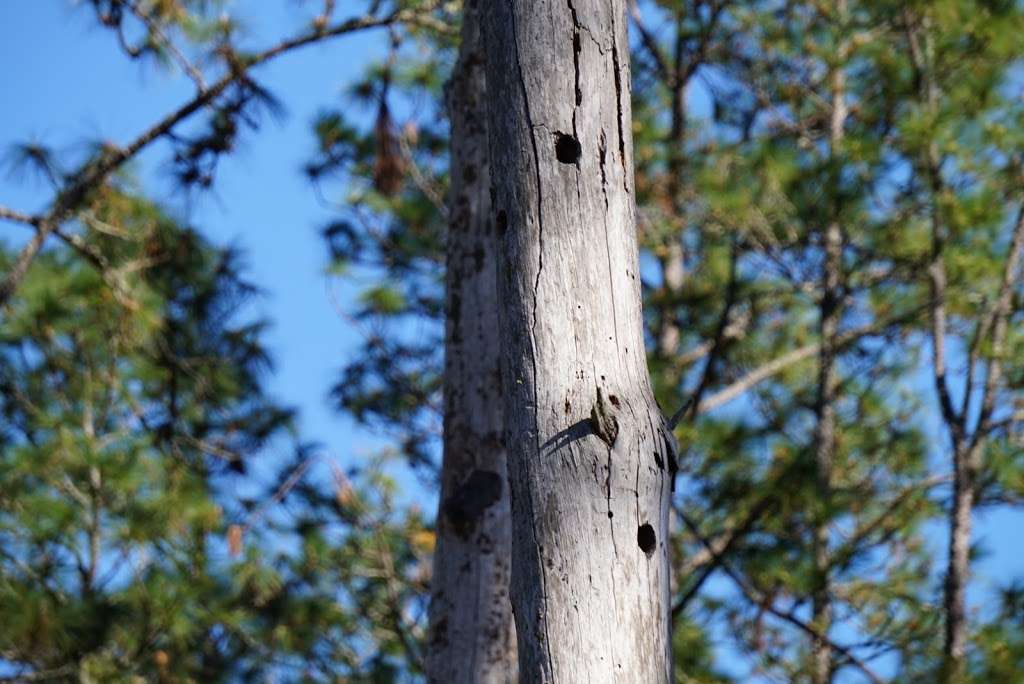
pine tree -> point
(129, 410)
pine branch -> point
(715, 550)
(757, 598)
(191, 70)
(97, 172)
(692, 407)
(846, 551)
(650, 44)
(780, 363)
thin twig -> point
(765, 603)
(780, 363)
(190, 69)
(96, 173)
(1000, 314)
(18, 217)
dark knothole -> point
(502, 223)
(471, 499)
(567, 148)
(646, 538)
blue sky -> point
(73, 85)
(66, 81)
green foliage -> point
(735, 190)
(389, 237)
(133, 411)
(127, 404)
(131, 375)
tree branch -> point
(650, 44)
(1000, 314)
(18, 217)
(96, 172)
(862, 532)
(692, 406)
(765, 603)
(779, 364)
(153, 27)
(716, 549)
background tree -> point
(129, 413)
(133, 370)
(472, 631)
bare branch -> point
(715, 549)
(1000, 314)
(17, 273)
(18, 217)
(432, 193)
(779, 364)
(936, 268)
(650, 44)
(870, 527)
(765, 603)
(692, 406)
(96, 173)
(153, 27)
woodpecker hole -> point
(646, 539)
(567, 148)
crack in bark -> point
(536, 287)
(618, 104)
(576, 48)
(608, 502)
(603, 151)
(608, 259)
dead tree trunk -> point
(589, 451)
(472, 635)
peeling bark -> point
(588, 446)
(472, 635)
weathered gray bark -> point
(472, 634)
(589, 452)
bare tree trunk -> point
(962, 510)
(589, 451)
(673, 260)
(958, 569)
(825, 437)
(472, 634)
(673, 275)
